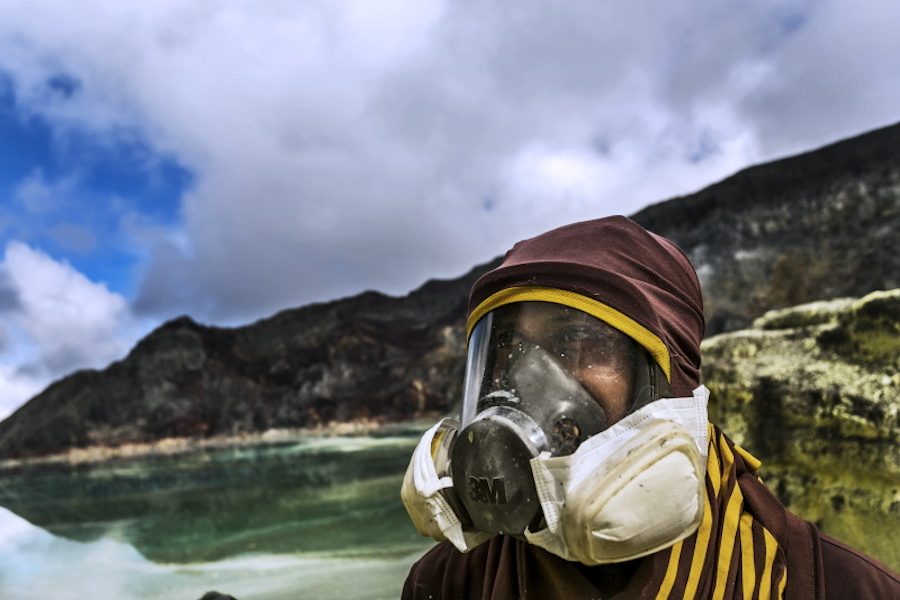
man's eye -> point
(571, 335)
(508, 339)
(581, 342)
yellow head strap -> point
(595, 308)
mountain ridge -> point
(814, 226)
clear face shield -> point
(540, 377)
(598, 357)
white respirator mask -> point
(535, 457)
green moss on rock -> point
(804, 315)
(814, 392)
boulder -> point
(814, 392)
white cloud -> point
(339, 146)
(58, 321)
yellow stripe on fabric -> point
(713, 464)
(765, 582)
(748, 565)
(727, 455)
(752, 463)
(643, 336)
(700, 550)
(782, 583)
(731, 518)
(733, 531)
(671, 572)
(701, 547)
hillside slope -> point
(812, 227)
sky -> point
(227, 159)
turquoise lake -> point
(314, 519)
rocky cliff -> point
(366, 358)
(822, 225)
(814, 392)
(817, 226)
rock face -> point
(366, 358)
(817, 226)
(814, 392)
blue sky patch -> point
(68, 192)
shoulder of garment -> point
(849, 573)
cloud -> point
(337, 147)
(37, 196)
(833, 77)
(346, 181)
(57, 321)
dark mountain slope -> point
(820, 225)
(816, 226)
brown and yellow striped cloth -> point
(747, 547)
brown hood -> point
(620, 264)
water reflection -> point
(35, 565)
(266, 521)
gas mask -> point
(566, 440)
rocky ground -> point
(174, 446)
(814, 392)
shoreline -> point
(102, 454)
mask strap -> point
(650, 383)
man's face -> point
(600, 357)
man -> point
(583, 465)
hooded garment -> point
(748, 545)
(622, 267)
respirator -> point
(567, 439)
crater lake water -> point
(318, 518)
